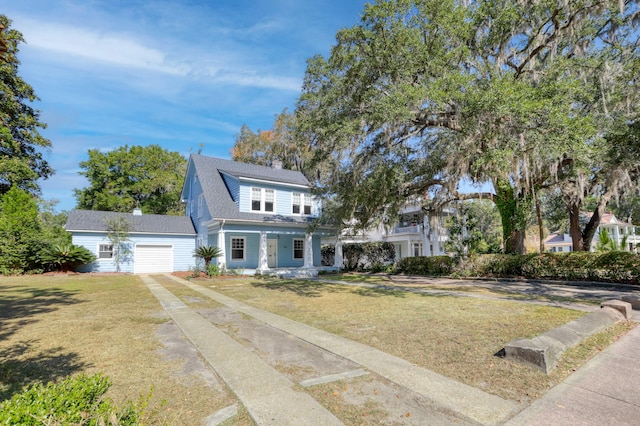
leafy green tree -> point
(424, 93)
(118, 229)
(21, 158)
(148, 177)
(20, 238)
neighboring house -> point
(556, 242)
(157, 243)
(415, 234)
(616, 228)
(258, 216)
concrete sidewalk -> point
(604, 392)
(447, 394)
(269, 397)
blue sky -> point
(176, 73)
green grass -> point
(454, 336)
(53, 326)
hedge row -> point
(434, 265)
(613, 266)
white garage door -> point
(149, 259)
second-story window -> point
(300, 203)
(295, 203)
(307, 204)
(256, 199)
(262, 199)
(269, 196)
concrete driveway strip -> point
(451, 395)
(269, 397)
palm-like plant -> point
(207, 253)
(67, 256)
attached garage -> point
(154, 243)
(149, 259)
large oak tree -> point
(424, 93)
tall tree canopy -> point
(423, 93)
(148, 177)
(279, 144)
(21, 145)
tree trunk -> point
(582, 238)
(574, 225)
(540, 225)
(514, 211)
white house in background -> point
(616, 228)
(415, 233)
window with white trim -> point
(298, 248)
(256, 199)
(269, 200)
(307, 204)
(417, 249)
(105, 251)
(237, 248)
(300, 203)
(295, 203)
(262, 200)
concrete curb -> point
(544, 351)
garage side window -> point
(105, 251)
(237, 248)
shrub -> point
(76, 400)
(421, 265)
(214, 270)
(67, 257)
(368, 256)
(207, 253)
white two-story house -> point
(416, 233)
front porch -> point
(292, 272)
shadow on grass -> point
(304, 288)
(20, 306)
(312, 288)
(21, 366)
(380, 291)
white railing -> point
(413, 229)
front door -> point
(272, 253)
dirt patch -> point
(176, 347)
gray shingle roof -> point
(218, 199)
(95, 220)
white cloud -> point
(91, 46)
(96, 46)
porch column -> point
(308, 251)
(222, 245)
(338, 261)
(263, 262)
(435, 239)
(409, 248)
(426, 249)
